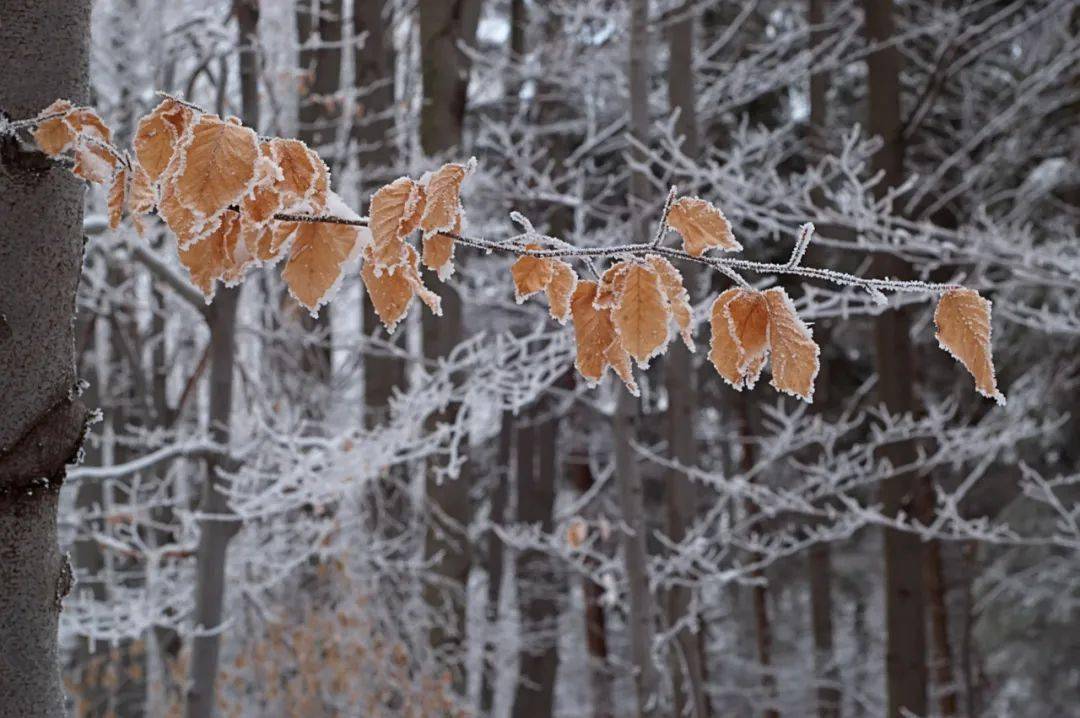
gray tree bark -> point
(680, 492)
(218, 526)
(905, 616)
(628, 479)
(45, 50)
(445, 79)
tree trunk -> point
(628, 479)
(936, 591)
(680, 492)
(217, 525)
(45, 50)
(538, 576)
(500, 495)
(905, 619)
(445, 78)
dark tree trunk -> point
(905, 616)
(500, 495)
(445, 78)
(45, 50)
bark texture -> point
(905, 616)
(44, 47)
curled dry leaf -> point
(740, 325)
(671, 282)
(158, 133)
(94, 162)
(701, 226)
(598, 346)
(316, 261)
(577, 532)
(182, 221)
(264, 198)
(54, 135)
(793, 352)
(641, 313)
(302, 177)
(531, 274)
(116, 197)
(443, 210)
(211, 258)
(141, 195)
(214, 166)
(559, 290)
(391, 294)
(963, 326)
(611, 285)
(439, 254)
(395, 212)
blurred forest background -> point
(281, 515)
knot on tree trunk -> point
(37, 461)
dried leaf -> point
(184, 224)
(394, 212)
(411, 270)
(439, 254)
(443, 211)
(117, 196)
(739, 321)
(391, 294)
(54, 135)
(318, 255)
(94, 162)
(210, 258)
(641, 314)
(593, 331)
(619, 360)
(559, 290)
(264, 198)
(157, 135)
(531, 274)
(963, 326)
(671, 283)
(216, 165)
(611, 285)
(577, 532)
(793, 352)
(86, 123)
(142, 198)
(701, 226)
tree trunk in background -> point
(680, 492)
(936, 591)
(905, 617)
(819, 556)
(538, 577)
(500, 495)
(45, 51)
(445, 77)
(628, 479)
(218, 525)
(319, 116)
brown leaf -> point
(739, 321)
(963, 326)
(619, 360)
(210, 258)
(793, 352)
(265, 197)
(117, 197)
(157, 135)
(671, 283)
(184, 224)
(319, 252)
(391, 294)
(593, 332)
(142, 197)
(94, 162)
(611, 285)
(641, 314)
(531, 274)
(443, 211)
(217, 162)
(701, 226)
(394, 212)
(439, 252)
(559, 290)
(54, 135)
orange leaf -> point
(319, 252)
(142, 197)
(671, 283)
(793, 353)
(117, 196)
(593, 332)
(443, 211)
(395, 209)
(210, 258)
(531, 274)
(740, 321)
(157, 135)
(559, 290)
(391, 294)
(963, 326)
(439, 254)
(265, 198)
(304, 177)
(619, 360)
(182, 221)
(216, 165)
(701, 226)
(93, 161)
(641, 314)
(54, 135)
